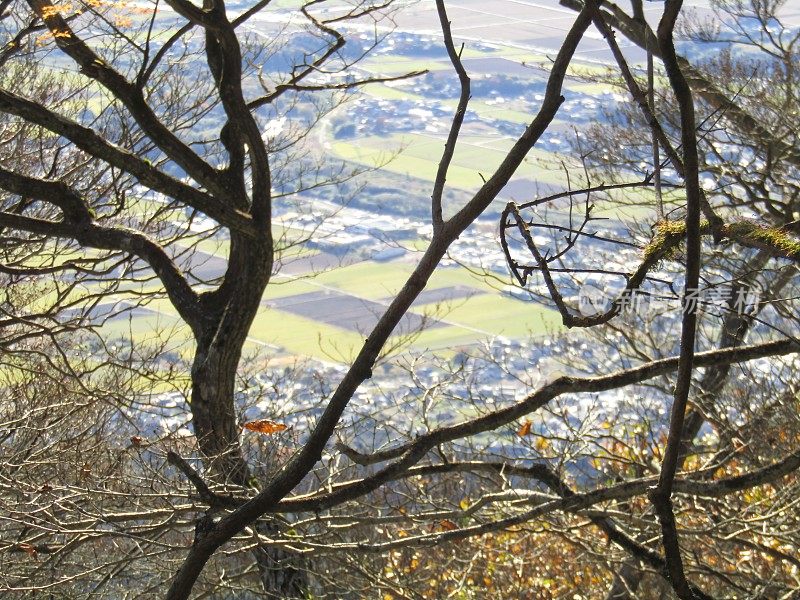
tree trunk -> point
(226, 316)
(213, 412)
(283, 573)
(229, 312)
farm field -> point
(320, 306)
(418, 155)
(327, 315)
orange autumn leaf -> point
(264, 426)
(447, 525)
(524, 429)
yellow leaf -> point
(264, 426)
(524, 429)
(464, 504)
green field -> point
(279, 333)
(500, 315)
(419, 157)
(283, 287)
(401, 65)
(369, 280)
(296, 335)
(464, 321)
(467, 320)
(162, 330)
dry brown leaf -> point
(264, 426)
(524, 429)
(447, 525)
(27, 549)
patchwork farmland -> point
(326, 294)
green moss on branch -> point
(670, 234)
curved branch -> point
(297, 468)
(297, 78)
(775, 242)
(661, 495)
(241, 131)
(95, 145)
(702, 85)
(184, 298)
(458, 118)
(74, 208)
(693, 484)
(94, 67)
(575, 385)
